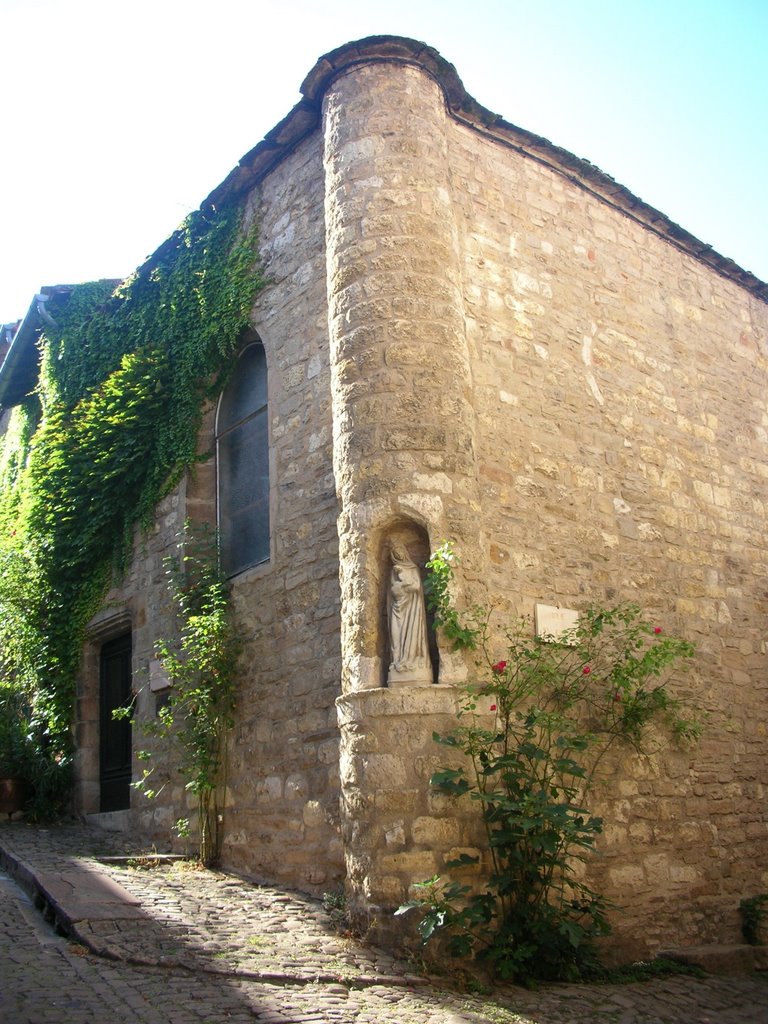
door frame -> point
(108, 625)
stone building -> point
(469, 334)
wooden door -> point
(115, 739)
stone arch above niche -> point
(410, 538)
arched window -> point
(242, 454)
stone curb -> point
(79, 894)
(351, 981)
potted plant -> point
(15, 750)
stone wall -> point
(284, 773)
(527, 368)
(282, 820)
(620, 394)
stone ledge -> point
(382, 702)
(717, 959)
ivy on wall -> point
(110, 431)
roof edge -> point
(305, 117)
(19, 369)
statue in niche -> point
(409, 648)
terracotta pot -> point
(13, 794)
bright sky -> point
(120, 116)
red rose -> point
(499, 667)
(586, 670)
(492, 707)
(657, 630)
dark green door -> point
(115, 735)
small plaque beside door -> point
(158, 677)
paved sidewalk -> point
(188, 945)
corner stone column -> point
(404, 449)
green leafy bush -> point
(16, 746)
(24, 756)
(753, 918)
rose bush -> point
(558, 706)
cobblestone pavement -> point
(211, 947)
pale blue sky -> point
(118, 118)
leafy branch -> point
(200, 661)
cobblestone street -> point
(200, 946)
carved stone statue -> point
(409, 649)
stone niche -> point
(411, 538)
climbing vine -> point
(110, 430)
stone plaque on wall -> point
(158, 677)
(551, 621)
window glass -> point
(242, 448)
(247, 390)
